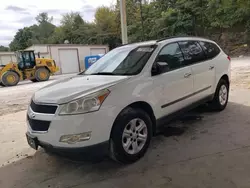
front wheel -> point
(42, 74)
(220, 99)
(131, 135)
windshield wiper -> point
(103, 73)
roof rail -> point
(172, 37)
(136, 43)
(179, 36)
(123, 45)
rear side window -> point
(192, 52)
(210, 49)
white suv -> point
(117, 104)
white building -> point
(69, 57)
(6, 57)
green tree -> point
(43, 18)
(71, 23)
(107, 26)
(22, 39)
(226, 21)
(35, 34)
(4, 49)
(43, 30)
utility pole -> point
(124, 21)
(142, 22)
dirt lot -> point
(15, 99)
(211, 152)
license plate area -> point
(32, 141)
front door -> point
(176, 82)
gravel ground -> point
(206, 150)
(15, 99)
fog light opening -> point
(74, 138)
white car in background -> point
(117, 104)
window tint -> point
(134, 62)
(192, 52)
(26, 56)
(210, 49)
(126, 60)
(32, 57)
(172, 55)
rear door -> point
(176, 82)
(202, 68)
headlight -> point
(89, 103)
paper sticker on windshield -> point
(145, 49)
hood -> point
(68, 89)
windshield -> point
(126, 60)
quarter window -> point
(210, 49)
(172, 55)
(192, 52)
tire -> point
(1, 84)
(10, 78)
(125, 121)
(219, 103)
(42, 74)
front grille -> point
(41, 108)
(38, 125)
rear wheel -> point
(131, 135)
(41, 74)
(220, 99)
(10, 78)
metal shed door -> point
(69, 61)
(97, 51)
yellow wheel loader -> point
(28, 67)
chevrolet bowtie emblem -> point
(32, 115)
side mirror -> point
(159, 67)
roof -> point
(170, 39)
(7, 53)
(25, 50)
(180, 38)
(145, 43)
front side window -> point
(171, 54)
(210, 49)
(192, 52)
(126, 60)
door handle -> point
(211, 67)
(187, 75)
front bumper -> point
(97, 150)
(98, 123)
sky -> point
(16, 14)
